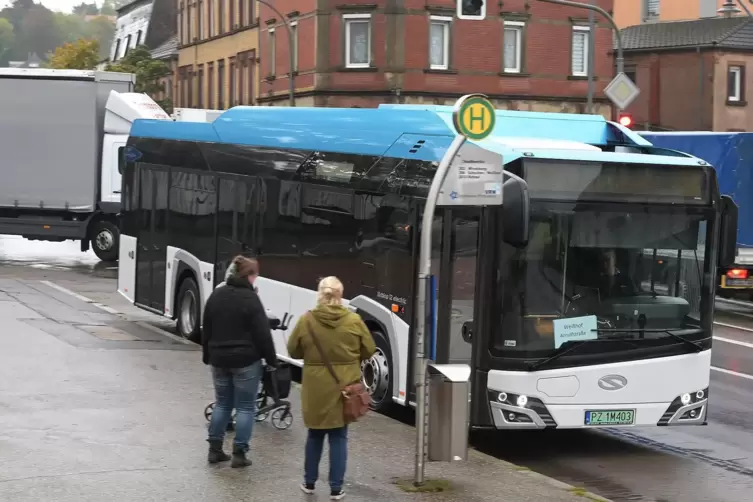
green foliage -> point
(148, 71)
(36, 29)
(7, 36)
(79, 55)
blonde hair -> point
(330, 291)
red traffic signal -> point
(625, 120)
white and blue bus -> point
(580, 322)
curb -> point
(580, 492)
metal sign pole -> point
(473, 118)
(424, 272)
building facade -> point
(633, 12)
(692, 74)
(131, 27)
(525, 55)
(218, 54)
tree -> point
(79, 55)
(148, 73)
(37, 33)
(86, 9)
(109, 6)
(7, 37)
(102, 30)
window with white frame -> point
(579, 60)
(272, 51)
(439, 42)
(357, 40)
(735, 84)
(513, 51)
(294, 29)
(651, 9)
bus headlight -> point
(685, 399)
(522, 401)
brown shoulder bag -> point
(356, 399)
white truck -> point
(62, 138)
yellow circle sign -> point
(474, 116)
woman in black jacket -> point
(235, 338)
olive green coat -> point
(346, 341)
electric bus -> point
(561, 300)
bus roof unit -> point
(421, 133)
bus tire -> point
(188, 311)
(105, 240)
(376, 372)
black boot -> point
(239, 458)
(216, 454)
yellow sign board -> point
(474, 116)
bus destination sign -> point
(474, 178)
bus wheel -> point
(104, 240)
(188, 309)
(376, 374)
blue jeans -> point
(338, 455)
(235, 388)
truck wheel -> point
(105, 239)
(188, 309)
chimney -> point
(728, 9)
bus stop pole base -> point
(424, 272)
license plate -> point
(737, 283)
(610, 417)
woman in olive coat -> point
(346, 341)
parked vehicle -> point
(63, 137)
(731, 154)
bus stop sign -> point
(474, 117)
(474, 178)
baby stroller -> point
(274, 390)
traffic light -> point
(625, 120)
(471, 9)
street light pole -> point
(596, 8)
(291, 49)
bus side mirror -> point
(516, 212)
(727, 232)
(467, 331)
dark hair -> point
(245, 267)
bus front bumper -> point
(511, 411)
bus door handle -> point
(467, 331)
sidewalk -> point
(91, 412)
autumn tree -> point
(82, 54)
(7, 37)
(148, 73)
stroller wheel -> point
(208, 411)
(282, 418)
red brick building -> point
(526, 54)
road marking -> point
(83, 298)
(734, 373)
(732, 301)
(734, 326)
(736, 342)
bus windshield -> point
(619, 274)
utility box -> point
(449, 409)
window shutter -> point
(579, 46)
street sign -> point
(622, 91)
(474, 117)
(473, 179)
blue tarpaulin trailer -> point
(731, 154)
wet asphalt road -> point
(712, 463)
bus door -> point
(152, 237)
(455, 253)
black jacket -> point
(236, 327)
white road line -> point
(83, 298)
(734, 373)
(734, 326)
(732, 301)
(736, 342)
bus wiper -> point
(671, 332)
(566, 350)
